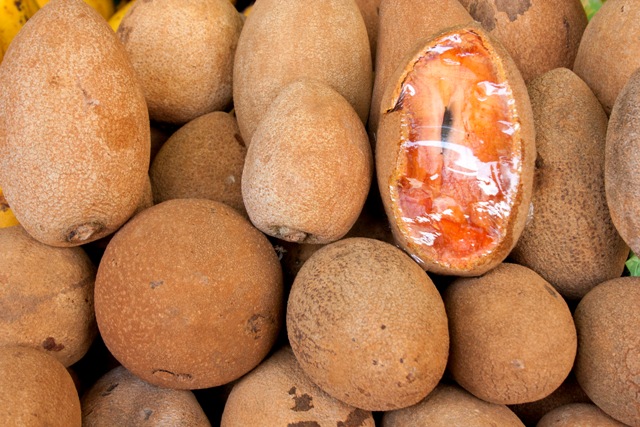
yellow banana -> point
(116, 19)
(13, 15)
(106, 8)
(7, 218)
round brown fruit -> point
(279, 393)
(189, 295)
(455, 153)
(578, 415)
(367, 325)
(121, 399)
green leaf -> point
(591, 6)
(633, 264)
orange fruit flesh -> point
(458, 168)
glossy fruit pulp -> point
(459, 164)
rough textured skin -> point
(622, 163)
(283, 42)
(512, 336)
(403, 24)
(279, 393)
(388, 149)
(367, 325)
(36, 390)
(540, 35)
(182, 51)
(74, 128)
(609, 52)
(121, 399)
(578, 415)
(570, 240)
(607, 365)
(370, 10)
(46, 296)
(451, 406)
(308, 170)
(202, 160)
(189, 295)
(569, 392)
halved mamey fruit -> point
(455, 153)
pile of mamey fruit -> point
(338, 213)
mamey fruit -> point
(121, 399)
(578, 415)
(570, 239)
(182, 51)
(512, 336)
(189, 295)
(105, 8)
(308, 169)
(370, 10)
(36, 390)
(455, 153)
(74, 129)
(279, 393)
(283, 41)
(367, 325)
(608, 323)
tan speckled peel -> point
(570, 239)
(512, 336)
(609, 51)
(46, 296)
(578, 415)
(451, 406)
(203, 159)
(308, 169)
(622, 163)
(279, 393)
(189, 295)
(36, 390)
(284, 40)
(540, 35)
(74, 128)
(182, 51)
(367, 325)
(607, 365)
(402, 25)
(121, 399)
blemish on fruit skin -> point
(513, 8)
(356, 418)
(304, 424)
(147, 414)
(109, 390)
(302, 403)
(551, 291)
(156, 283)
(50, 345)
(483, 12)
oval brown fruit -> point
(622, 163)
(74, 127)
(608, 361)
(368, 325)
(578, 415)
(540, 35)
(279, 393)
(570, 239)
(455, 153)
(284, 41)
(189, 295)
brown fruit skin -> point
(512, 336)
(569, 392)
(388, 149)
(452, 406)
(578, 415)
(182, 51)
(74, 128)
(370, 10)
(46, 296)
(570, 239)
(403, 25)
(202, 160)
(279, 393)
(367, 325)
(121, 399)
(608, 324)
(608, 52)
(622, 163)
(283, 42)
(36, 390)
(189, 295)
(308, 170)
(540, 35)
